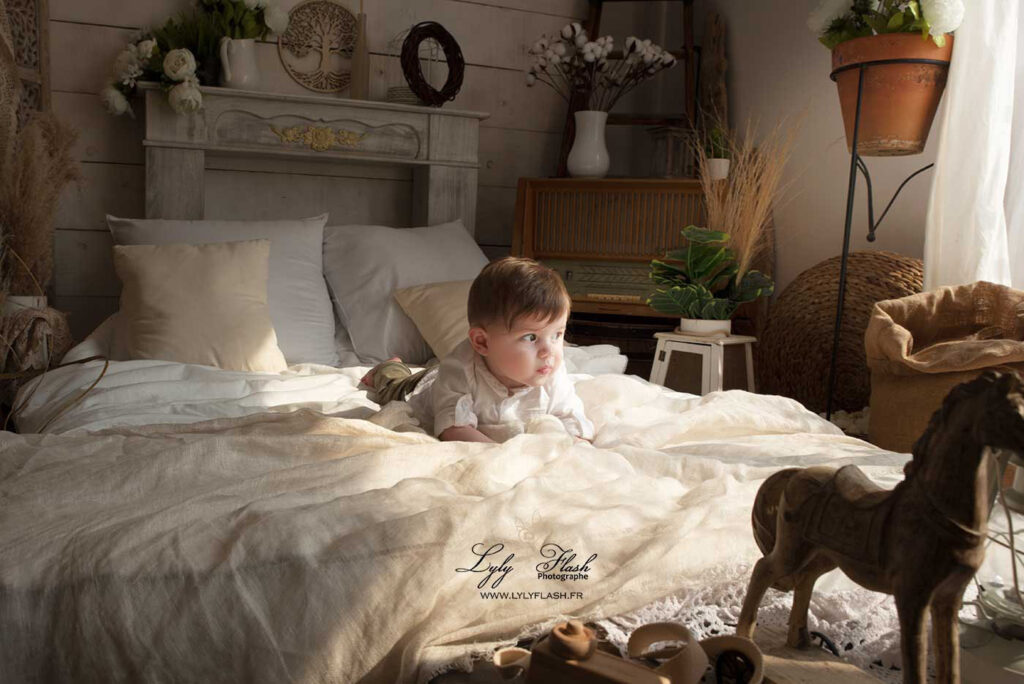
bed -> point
(191, 524)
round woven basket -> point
(796, 346)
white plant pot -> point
(588, 157)
(718, 168)
(703, 328)
(15, 303)
(238, 67)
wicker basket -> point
(796, 346)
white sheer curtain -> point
(975, 220)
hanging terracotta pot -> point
(898, 101)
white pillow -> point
(365, 265)
(300, 307)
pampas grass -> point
(741, 204)
(36, 171)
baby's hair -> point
(515, 286)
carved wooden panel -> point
(29, 22)
(316, 50)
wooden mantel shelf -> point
(439, 145)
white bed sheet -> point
(152, 392)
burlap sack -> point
(919, 347)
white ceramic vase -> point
(703, 328)
(718, 168)
(588, 157)
(238, 67)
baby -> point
(508, 370)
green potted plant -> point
(716, 153)
(701, 282)
(899, 100)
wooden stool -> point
(698, 365)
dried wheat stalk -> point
(37, 171)
(741, 204)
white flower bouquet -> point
(183, 54)
(836, 21)
(572, 64)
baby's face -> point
(527, 355)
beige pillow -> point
(439, 312)
(202, 304)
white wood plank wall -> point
(521, 138)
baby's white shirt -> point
(462, 391)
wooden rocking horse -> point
(921, 542)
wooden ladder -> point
(687, 57)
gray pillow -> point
(365, 265)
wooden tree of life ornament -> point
(317, 48)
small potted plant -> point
(701, 283)
(716, 153)
(899, 99)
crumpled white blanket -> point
(280, 547)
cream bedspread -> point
(299, 547)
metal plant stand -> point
(857, 163)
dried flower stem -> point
(741, 204)
(30, 187)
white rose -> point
(115, 101)
(581, 40)
(827, 12)
(145, 49)
(943, 16)
(179, 64)
(567, 31)
(276, 19)
(185, 97)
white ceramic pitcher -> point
(238, 67)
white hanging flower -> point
(555, 59)
(827, 12)
(530, 79)
(558, 49)
(581, 40)
(588, 57)
(144, 49)
(115, 101)
(185, 97)
(127, 67)
(668, 59)
(179, 64)
(944, 16)
(275, 18)
(567, 31)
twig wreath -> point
(414, 73)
